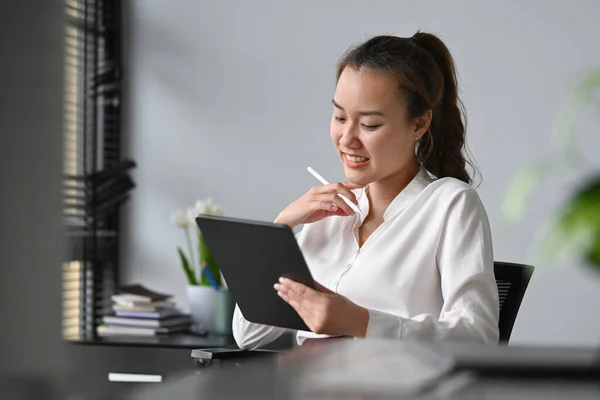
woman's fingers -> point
(334, 189)
(320, 202)
(339, 213)
(340, 188)
(333, 203)
(341, 204)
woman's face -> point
(370, 128)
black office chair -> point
(512, 280)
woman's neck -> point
(382, 192)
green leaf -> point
(578, 100)
(575, 228)
(206, 257)
(593, 256)
(519, 192)
(521, 188)
(189, 273)
(576, 231)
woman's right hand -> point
(318, 203)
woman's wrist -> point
(282, 221)
(360, 322)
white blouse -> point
(426, 272)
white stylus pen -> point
(325, 182)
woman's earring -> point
(418, 143)
(417, 147)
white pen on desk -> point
(325, 182)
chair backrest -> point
(512, 280)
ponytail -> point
(440, 149)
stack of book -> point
(139, 311)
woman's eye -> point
(340, 119)
(371, 127)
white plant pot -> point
(211, 309)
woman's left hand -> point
(324, 311)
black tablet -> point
(252, 256)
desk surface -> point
(178, 341)
(293, 375)
(367, 370)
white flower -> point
(207, 207)
(191, 214)
(180, 218)
(186, 218)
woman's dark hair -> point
(424, 69)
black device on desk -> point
(252, 256)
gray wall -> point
(230, 99)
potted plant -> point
(575, 227)
(211, 305)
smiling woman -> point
(417, 262)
